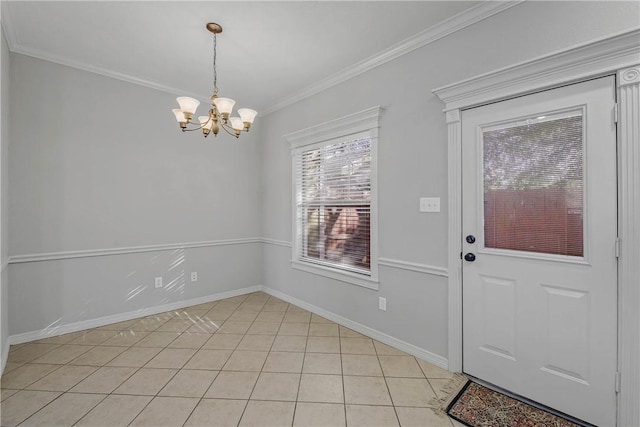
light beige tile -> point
(189, 383)
(322, 363)
(234, 327)
(318, 319)
(456, 423)
(5, 393)
(276, 386)
(411, 392)
(319, 415)
(260, 413)
(321, 388)
(115, 411)
(323, 330)
(98, 356)
(204, 306)
(387, 350)
(192, 314)
(205, 326)
(297, 317)
(171, 358)
(217, 413)
(289, 343)
(166, 411)
(283, 361)
(400, 366)
(223, 342)
(256, 342)
(275, 306)
(366, 391)
(22, 405)
(146, 381)
(227, 305)
(361, 364)
(29, 352)
(357, 346)
(323, 345)
(208, 359)
(125, 338)
(264, 328)
(367, 416)
(157, 339)
(232, 385)
(299, 329)
(295, 309)
(147, 324)
(348, 333)
(63, 379)
(445, 387)
(104, 380)
(65, 410)
(93, 337)
(190, 340)
(432, 371)
(63, 354)
(242, 360)
(10, 366)
(26, 374)
(243, 316)
(135, 356)
(270, 316)
(218, 315)
(175, 325)
(420, 417)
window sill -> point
(343, 276)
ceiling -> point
(268, 52)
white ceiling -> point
(269, 50)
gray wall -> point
(412, 160)
(100, 164)
(4, 193)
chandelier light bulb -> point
(179, 115)
(248, 116)
(236, 123)
(188, 106)
(224, 106)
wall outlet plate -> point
(194, 276)
(382, 304)
(158, 282)
(429, 204)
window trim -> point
(358, 125)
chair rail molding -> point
(618, 54)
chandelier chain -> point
(215, 71)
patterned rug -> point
(479, 406)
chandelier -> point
(221, 108)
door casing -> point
(618, 54)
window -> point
(334, 171)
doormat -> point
(479, 406)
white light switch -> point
(430, 204)
(158, 282)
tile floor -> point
(251, 360)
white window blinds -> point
(333, 200)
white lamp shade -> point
(204, 120)
(224, 105)
(179, 115)
(247, 115)
(236, 123)
(188, 105)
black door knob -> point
(471, 238)
(470, 257)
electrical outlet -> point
(194, 276)
(429, 204)
(158, 282)
(382, 304)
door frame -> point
(618, 54)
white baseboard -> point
(3, 358)
(106, 320)
(365, 330)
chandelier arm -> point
(202, 125)
(229, 129)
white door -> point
(539, 216)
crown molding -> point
(457, 22)
(423, 38)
